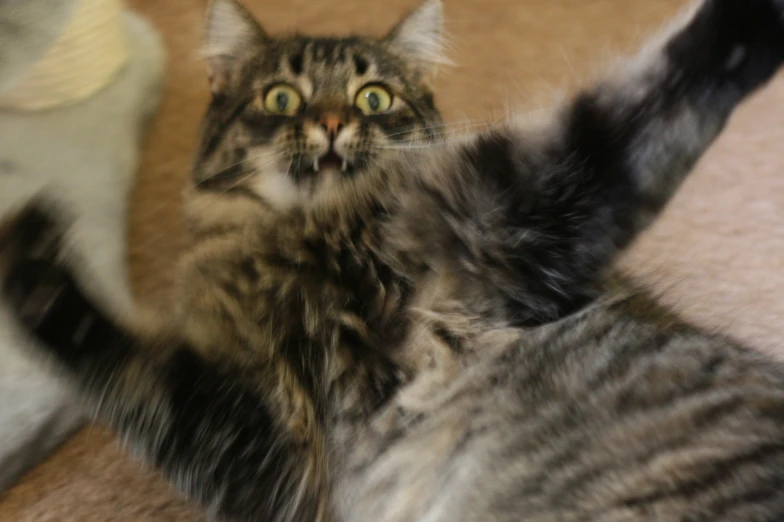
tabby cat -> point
(375, 323)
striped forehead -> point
(332, 59)
(330, 53)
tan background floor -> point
(718, 253)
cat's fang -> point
(344, 167)
(315, 164)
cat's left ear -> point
(419, 37)
(230, 35)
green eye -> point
(373, 99)
(282, 99)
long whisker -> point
(258, 168)
(152, 241)
(287, 173)
(447, 127)
(254, 158)
(271, 154)
(461, 124)
(450, 134)
(408, 146)
(423, 143)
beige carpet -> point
(718, 254)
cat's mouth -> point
(332, 161)
(325, 166)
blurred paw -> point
(32, 272)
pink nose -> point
(332, 123)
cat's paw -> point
(740, 15)
(32, 273)
(734, 43)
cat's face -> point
(292, 116)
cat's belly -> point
(601, 417)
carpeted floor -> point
(717, 254)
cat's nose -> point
(332, 123)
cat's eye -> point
(282, 99)
(373, 99)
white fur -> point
(420, 35)
(74, 155)
(229, 29)
(278, 188)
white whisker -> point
(410, 146)
(269, 155)
(461, 124)
(152, 241)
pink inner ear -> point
(218, 83)
(218, 74)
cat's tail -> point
(192, 414)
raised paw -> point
(729, 49)
(32, 275)
(35, 231)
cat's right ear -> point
(419, 37)
(230, 32)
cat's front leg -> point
(542, 211)
(36, 282)
(211, 428)
(636, 135)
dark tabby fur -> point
(430, 335)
